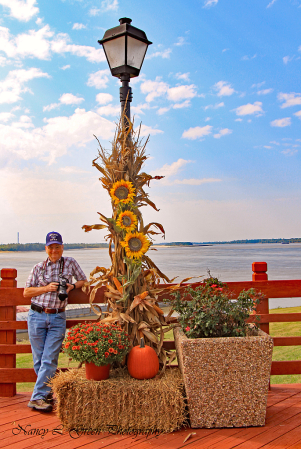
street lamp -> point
(125, 48)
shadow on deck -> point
(21, 427)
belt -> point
(41, 309)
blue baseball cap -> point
(53, 237)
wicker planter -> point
(226, 379)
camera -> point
(62, 288)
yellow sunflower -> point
(135, 244)
(122, 192)
(127, 220)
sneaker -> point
(49, 398)
(41, 405)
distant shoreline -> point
(30, 247)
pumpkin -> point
(143, 362)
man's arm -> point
(30, 292)
(77, 284)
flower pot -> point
(226, 379)
(94, 372)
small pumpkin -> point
(143, 362)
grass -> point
(276, 330)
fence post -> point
(260, 274)
(8, 313)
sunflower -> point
(135, 244)
(127, 220)
(122, 192)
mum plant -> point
(210, 310)
(96, 342)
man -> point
(47, 317)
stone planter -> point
(226, 379)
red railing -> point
(11, 296)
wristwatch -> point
(74, 286)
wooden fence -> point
(11, 296)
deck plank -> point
(282, 429)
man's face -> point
(54, 251)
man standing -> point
(47, 317)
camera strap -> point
(62, 263)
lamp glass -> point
(115, 51)
(135, 52)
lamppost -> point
(125, 48)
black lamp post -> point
(125, 48)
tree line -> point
(41, 246)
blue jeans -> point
(46, 333)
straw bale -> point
(120, 404)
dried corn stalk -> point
(133, 279)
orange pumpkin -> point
(143, 362)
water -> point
(228, 262)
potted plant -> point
(98, 345)
(224, 360)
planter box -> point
(226, 379)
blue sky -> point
(219, 94)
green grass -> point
(276, 330)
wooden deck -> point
(18, 424)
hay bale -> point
(120, 404)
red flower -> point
(96, 350)
(187, 329)
(115, 351)
(111, 350)
(67, 344)
(110, 341)
(120, 346)
(213, 285)
(106, 355)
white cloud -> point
(22, 10)
(287, 59)
(78, 26)
(298, 114)
(182, 76)
(223, 88)
(222, 132)
(185, 104)
(72, 169)
(94, 12)
(197, 132)
(65, 67)
(24, 122)
(109, 110)
(68, 99)
(248, 109)
(60, 44)
(180, 41)
(99, 79)
(265, 91)
(248, 58)
(271, 3)
(289, 151)
(39, 21)
(6, 116)
(209, 3)
(214, 106)
(282, 122)
(162, 111)
(258, 85)
(103, 98)
(238, 119)
(109, 5)
(148, 130)
(42, 43)
(170, 170)
(291, 99)
(179, 93)
(154, 89)
(196, 182)
(139, 108)
(13, 85)
(55, 138)
(165, 54)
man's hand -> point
(52, 287)
(69, 288)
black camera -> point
(62, 288)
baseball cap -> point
(53, 237)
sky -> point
(219, 94)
